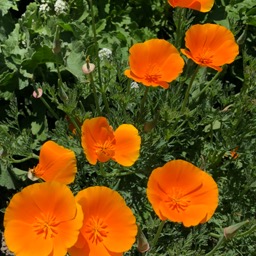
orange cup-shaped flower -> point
(55, 163)
(109, 227)
(101, 143)
(210, 45)
(181, 192)
(43, 219)
(155, 62)
(198, 5)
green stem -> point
(101, 171)
(142, 104)
(95, 42)
(95, 94)
(157, 235)
(208, 85)
(217, 246)
(179, 30)
(24, 159)
(49, 108)
(252, 229)
(105, 100)
(185, 101)
(74, 122)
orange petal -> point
(127, 147)
(155, 62)
(210, 45)
(181, 192)
(107, 208)
(56, 163)
(95, 133)
(199, 5)
(28, 212)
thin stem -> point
(49, 108)
(142, 104)
(101, 171)
(217, 246)
(157, 235)
(95, 42)
(95, 94)
(208, 85)
(185, 101)
(105, 100)
(74, 122)
(179, 30)
(33, 156)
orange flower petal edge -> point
(109, 226)
(198, 5)
(210, 45)
(56, 163)
(181, 192)
(155, 62)
(101, 143)
(35, 225)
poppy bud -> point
(230, 231)
(142, 242)
(87, 68)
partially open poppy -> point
(55, 163)
(43, 219)
(155, 62)
(181, 192)
(210, 45)
(109, 227)
(199, 5)
(101, 143)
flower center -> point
(46, 226)
(96, 229)
(105, 150)
(153, 74)
(176, 201)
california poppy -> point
(55, 163)
(43, 219)
(101, 143)
(210, 45)
(155, 62)
(109, 226)
(181, 192)
(199, 5)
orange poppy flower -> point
(101, 143)
(155, 62)
(55, 163)
(109, 227)
(198, 5)
(43, 219)
(181, 192)
(210, 45)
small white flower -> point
(60, 7)
(105, 53)
(134, 85)
(44, 7)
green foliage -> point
(42, 49)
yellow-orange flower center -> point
(177, 201)
(46, 226)
(105, 150)
(96, 229)
(153, 74)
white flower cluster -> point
(60, 7)
(105, 53)
(134, 85)
(44, 6)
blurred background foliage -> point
(217, 132)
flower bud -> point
(230, 231)
(142, 242)
(87, 68)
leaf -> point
(5, 5)
(41, 56)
